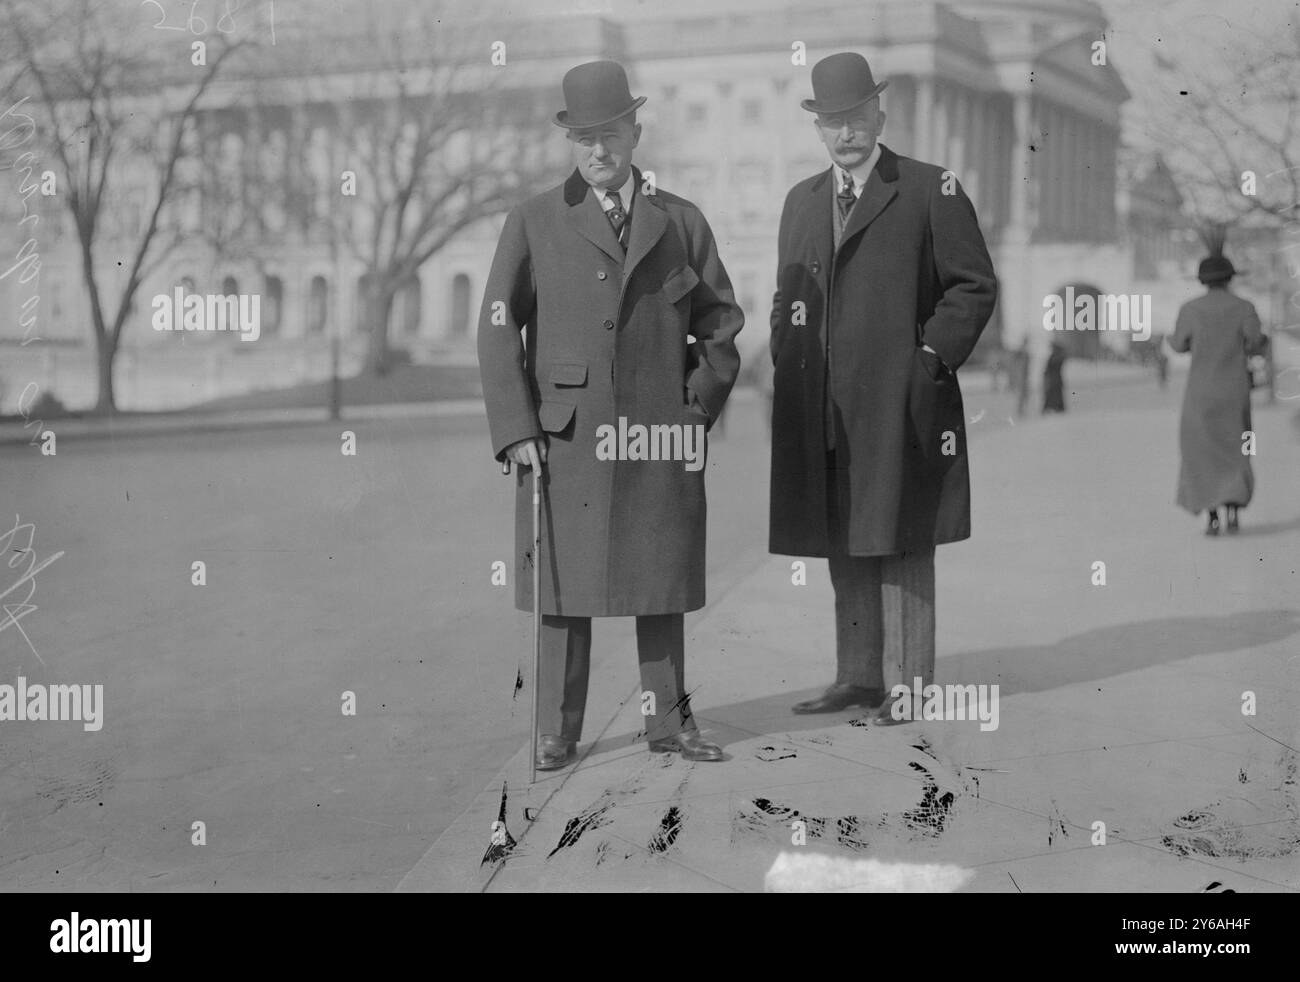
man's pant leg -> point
(859, 631)
(562, 674)
(859, 628)
(661, 651)
(907, 607)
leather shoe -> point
(689, 744)
(841, 696)
(883, 715)
(554, 752)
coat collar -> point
(588, 218)
(879, 191)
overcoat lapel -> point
(878, 192)
(648, 225)
(588, 218)
(818, 214)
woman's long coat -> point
(573, 336)
(1219, 329)
(911, 268)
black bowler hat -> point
(594, 94)
(841, 82)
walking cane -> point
(537, 610)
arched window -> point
(363, 303)
(272, 303)
(460, 305)
(408, 307)
(318, 304)
(230, 287)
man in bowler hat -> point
(607, 307)
(884, 284)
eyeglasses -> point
(858, 122)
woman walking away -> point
(1221, 330)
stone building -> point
(1007, 94)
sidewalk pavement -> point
(156, 424)
(1119, 704)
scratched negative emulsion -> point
(928, 819)
(502, 842)
(670, 825)
(1265, 824)
(596, 814)
(1056, 824)
(760, 816)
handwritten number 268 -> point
(194, 19)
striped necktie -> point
(617, 217)
(846, 198)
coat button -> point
(601, 274)
(609, 325)
(803, 363)
(814, 267)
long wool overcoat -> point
(1219, 329)
(911, 269)
(573, 336)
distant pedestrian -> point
(1020, 377)
(1221, 330)
(1162, 362)
(1054, 380)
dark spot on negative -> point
(669, 826)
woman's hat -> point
(1216, 267)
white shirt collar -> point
(624, 194)
(859, 173)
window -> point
(272, 301)
(460, 306)
(229, 287)
(697, 112)
(752, 111)
(408, 307)
(363, 298)
(318, 299)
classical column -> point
(1075, 163)
(977, 167)
(1065, 149)
(1019, 210)
(958, 140)
(923, 148)
(942, 124)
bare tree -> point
(1230, 117)
(445, 132)
(117, 103)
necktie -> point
(617, 217)
(846, 199)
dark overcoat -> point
(1220, 330)
(911, 269)
(573, 336)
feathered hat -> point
(1216, 267)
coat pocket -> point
(569, 373)
(555, 417)
(680, 283)
(936, 414)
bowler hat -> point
(594, 94)
(840, 82)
